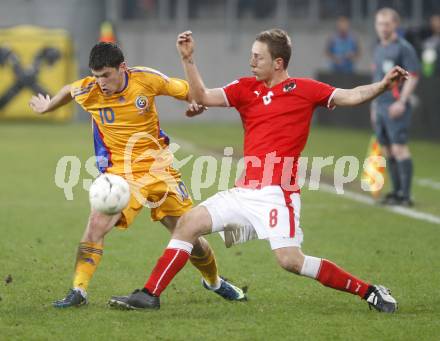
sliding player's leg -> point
(286, 236)
(202, 256)
(175, 202)
(210, 216)
(203, 259)
(189, 228)
(331, 275)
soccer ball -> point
(109, 194)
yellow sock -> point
(87, 260)
(207, 266)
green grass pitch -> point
(40, 230)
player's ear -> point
(123, 66)
(278, 63)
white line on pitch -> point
(365, 199)
(425, 182)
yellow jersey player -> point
(129, 142)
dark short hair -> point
(278, 42)
(105, 55)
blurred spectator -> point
(342, 47)
(431, 49)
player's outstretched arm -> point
(364, 93)
(198, 91)
(42, 104)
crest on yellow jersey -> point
(141, 103)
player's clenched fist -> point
(185, 44)
(395, 75)
(195, 109)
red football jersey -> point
(276, 124)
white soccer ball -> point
(109, 194)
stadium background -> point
(40, 229)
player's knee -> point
(187, 226)
(290, 263)
(192, 223)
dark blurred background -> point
(224, 31)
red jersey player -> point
(276, 111)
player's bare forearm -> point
(365, 93)
(197, 88)
(198, 92)
(358, 95)
(42, 104)
(61, 98)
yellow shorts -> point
(164, 198)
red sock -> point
(167, 267)
(334, 277)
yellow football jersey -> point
(125, 124)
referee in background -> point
(391, 112)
